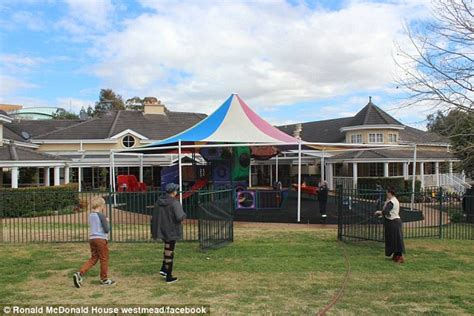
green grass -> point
(269, 269)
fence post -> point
(440, 196)
(109, 201)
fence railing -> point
(434, 213)
(38, 216)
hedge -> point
(38, 201)
(399, 184)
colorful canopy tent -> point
(233, 122)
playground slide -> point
(201, 183)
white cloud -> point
(192, 55)
(87, 18)
(32, 21)
(9, 85)
(73, 104)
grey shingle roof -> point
(12, 135)
(327, 131)
(401, 154)
(152, 126)
(373, 115)
(38, 127)
(9, 152)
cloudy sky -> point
(292, 61)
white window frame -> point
(392, 138)
(357, 138)
(377, 138)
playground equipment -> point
(129, 183)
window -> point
(392, 138)
(356, 138)
(375, 138)
(128, 141)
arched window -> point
(128, 141)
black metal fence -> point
(215, 218)
(428, 213)
(42, 216)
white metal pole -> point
(271, 174)
(111, 168)
(250, 174)
(413, 181)
(299, 181)
(276, 169)
(141, 168)
(180, 173)
(79, 178)
(323, 171)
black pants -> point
(322, 207)
(393, 237)
(168, 256)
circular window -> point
(128, 141)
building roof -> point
(152, 126)
(373, 115)
(329, 131)
(11, 152)
(38, 127)
(394, 154)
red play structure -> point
(129, 183)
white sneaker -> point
(77, 278)
(107, 282)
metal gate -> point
(215, 218)
(434, 212)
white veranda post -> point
(299, 181)
(180, 173)
(276, 169)
(413, 181)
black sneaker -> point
(107, 282)
(171, 279)
(163, 273)
(77, 278)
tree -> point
(458, 126)
(135, 103)
(438, 70)
(62, 114)
(109, 100)
(438, 67)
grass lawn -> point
(269, 269)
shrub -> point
(399, 184)
(38, 201)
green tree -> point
(62, 114)
(458, 126)
(109, 100)
(135, 103)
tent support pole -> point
(299, 182)
(180, 174)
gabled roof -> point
(373, 115)
(233, 122)
(109, 124)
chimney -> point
(297, 131)
(152, 105)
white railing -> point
(455, 182)
(346, 182)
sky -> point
(291, 61)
